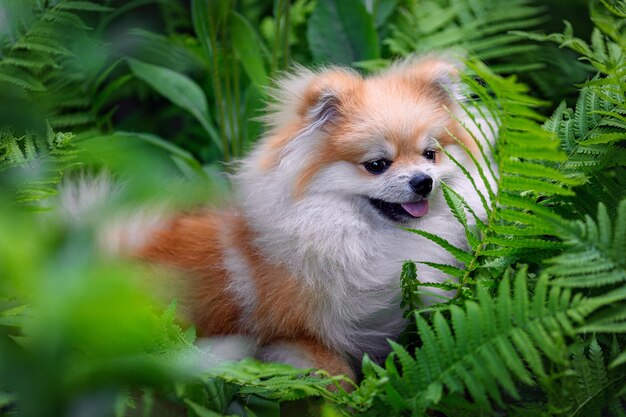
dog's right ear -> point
(312, 100)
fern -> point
(250, 387)
(488, 347)
(526, 156)
(548, 342)
(593, 387)
(596, 250)
(596, 120)
(478, 27)
(593, 133)
(172, 336)
(605, 54)
(41, 160)
(37, 56)
(589, 167)
(277, 381)
(547, 174)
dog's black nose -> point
(421, 184)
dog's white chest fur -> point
(346, 252)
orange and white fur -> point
(307, 261)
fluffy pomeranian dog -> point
(307, 261)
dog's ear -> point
(328, 97)
(440, 74)
(315, 99)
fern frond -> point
(31, 61)
(34, 60)
(42, 45)
(59, 16)
(21, 79)
(586, 131)
(527, 155)
(71, 120)
(603, 53)
(275, 381)
(88, 6)
(596, 254)
(592, 388)
(593, 133)
(43, 160)
(481, 28)
(458, 253)
(488, 346)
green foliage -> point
(37, 47)
(547, 176)
(40, 163)
(478, 27)
(81, 331)
(593, 389)
(181, 90)
(487, 345)
(352, 39)
(247, 44)
(592, 134)
(526, 157)
(596, 250)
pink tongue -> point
(418, 209)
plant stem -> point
(217, 87)
(228, 87)
(277, 35)
(237, 138)
(286, 35)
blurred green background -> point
(194, 73)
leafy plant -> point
(478, 27)
(353, 39)
(45, 160)
(537, 323)
(525, 157)
(37, 46)
(537, 188)
(488, 345)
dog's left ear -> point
(441, 74)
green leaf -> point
(261, 407)
(458, 253)
(23, 80)
(201, 411)
(83, 6)
(249, 48)
(341, 32)
(172, 149)
(180, 90)
(6, 399)
(200, 20)
(620, 360)
(448, 269)
(380, 9)
(410, 372)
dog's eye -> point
(430, 154)
(378, 166)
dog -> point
(307, 260)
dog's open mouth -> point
(401, 212)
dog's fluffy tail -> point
(90, 200)
(82, 196)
